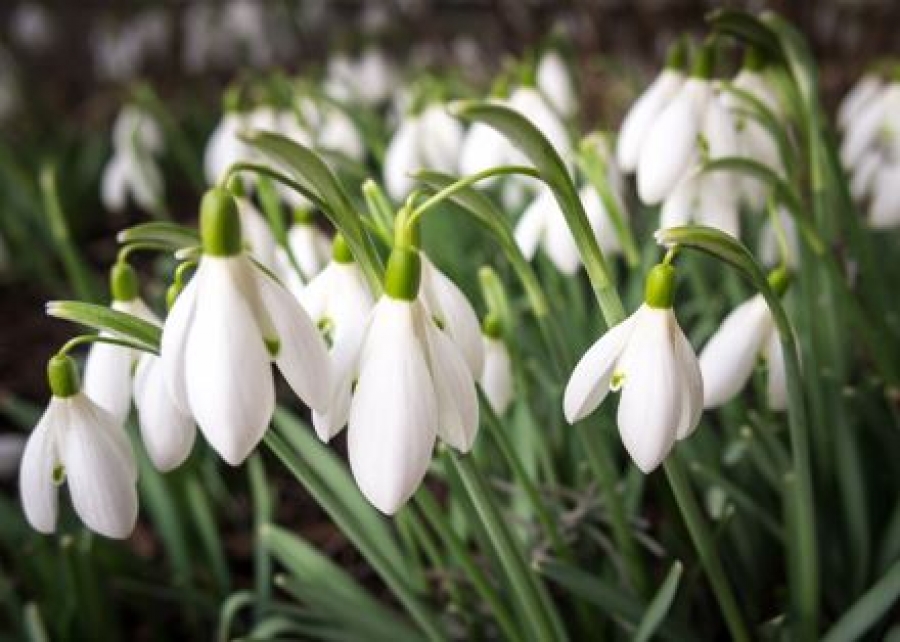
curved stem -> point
(86, 339)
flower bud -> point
(220, 224)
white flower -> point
(769, 251)
(167, 432)
(332, 129)
(220, 337)
(431, 139)
(642, 114)
(543, 224)
(497, 378)
(370, 80)
(79, 442)
(132, 170)
(311, 248)
(709, 198)
(108, 368)
(339, 301)
(732, 352)
(529, 102)
(257, 234)
(865, 89)
(451, 311)
(224, 148)
(554, 79)
(649, 359)
(413, 386)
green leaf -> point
(158, 233)
(746, 28)
(659, 606)
(528, 138)
(232, 605)
(868, 609)
(145, 335)
(330, 590)
(204, 519)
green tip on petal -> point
(62, 374)
(403, 274)
(340, 251)
(780, 280)
(220, 223)
(660, 287)
(491, 326)
(123, 282)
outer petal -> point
(228, 372)
(311, 248)
(113, 185)
(884, 210)
(400, 158)
(454, 386)
(864, 174)
(174, 341)
(393, 416)
(863, 133)
(168, 434)
(100, 474)
(866, 88)
(777, 385)
(589, 383)
(681, 203)
(39, 493)
(257, 234)
(555, 82)
(529, 102)
(302, 356)
(107, 378)
(728, 359)
(691, 381)
(640, 117)
(671, 143)
(650, 408)
(532, 225)
(449, 305)
(345, 369)
(483, 148)
(604, 231)
(439, 139)
(497, 378)
(560, 244)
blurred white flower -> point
(79, 443)
(133, 169)
(650, 360)
(369, 79)
(496, 378)
(311, 248)
(729, 357)
(227, 326)
(554, 80)
(866, 88)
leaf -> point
(166, 235)
(746, 28)
(868, 610)
(330, 590)
(524, 135)
(660, 605)
(145, 335)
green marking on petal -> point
(326, 328)
(617, 381)
(273, 345)
(59, 474)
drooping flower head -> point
(647, 358)
(226, 328)
(496, 378)
(78, 443)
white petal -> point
(302, 355)
(174, 339)
(718, 204)
(864, 174)
(650, 407)
(777, 384)
(641, 115)
(440, 138)
(867, 88)
(559, 243)
(168, 434)
(590, 380)
(681, 203)
(728, 359)
(497, 378)
(671, 143)
(691, 381)
(393, 416)
(228, 373)
(863, 134)
(457, 398)
(529, 102)
(39, 493)
(113, 186)
(531, 226)
(107, 378)
(483, 148)
(400, 158)
(345, 355)
(452, 309)
(257, 235)
(604, 230)
(884, 210)
(311, 248)
(553, 78)
(99, 473)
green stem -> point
(706, 549)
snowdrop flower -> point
(769, 251)
(339, 301)
(695, 126)
(331, 129)
(529, 102)
(370, 80)
(709, 198)
(78, 442)
(543, 224)
(224, 148)
(227, 326)
(645, 110)
(311, 248)
(430, 139)
(496, 379)
(413, 386)
(258, 236)
(868, 87)
(554, 80)
(132, 170)
(875, 126)
(108, 369)
(731, 354)
(649, 359)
